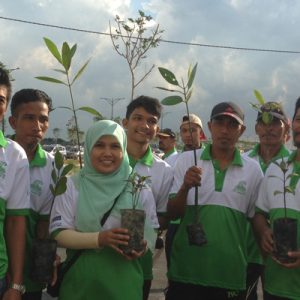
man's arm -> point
(263, 233)
(15, 228)
(176, 205)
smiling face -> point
(106, 155)
(141, 126)
(30, 122)
(296, 129)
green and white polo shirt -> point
(14, 189)
(40, 204)
(226, 199)
(254, 255)
(171, 157)
(278, 280)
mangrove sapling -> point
(134, 219)
(65, 60)
(285, 228)
(44, 250)
(195, 231)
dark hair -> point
(29, 95)
(151, 105)
(4, 80)
(297, 106)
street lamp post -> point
(112, 102)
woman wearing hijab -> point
(102, 271)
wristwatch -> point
(18, 287)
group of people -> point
(237, 203)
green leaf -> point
(53, 49)
(52, 189)
(172, 100)
(168, 76)
(292, 175)
(60, 71)
(259, 97)
(91, 111)
(189, 94)
(73, 50)
(66, 107)
(80, 71)
(66, 56)
(50, 79)
(61, 186)
(289, 189)
(54, 175)
(59, 160)
(266, 117)
(277, 192)
(165, 89)
(67, 169)
(192, 76)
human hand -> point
(267, 241)
(291, 265)
(56, 263)
(134, 254)
(192, 177)
(113, 238)
(11, 294)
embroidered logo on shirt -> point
(240, 188)
(3, 165)
(36, 187)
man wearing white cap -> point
(191, 141)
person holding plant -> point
(141, 124)
(30, 120)
(227, 189)
(272, 137)
(192, 140)
(87, 216)
(14, 205)
(280, 278)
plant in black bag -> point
(285, 229)
(196, 234)
(44, 250)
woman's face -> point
(106, 155)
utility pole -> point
(112, 102)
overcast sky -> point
(223, 74)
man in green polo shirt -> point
(272, 137)
(141, 124)
(280, 279)
(30, 120)
(14, 205)
(227, 189)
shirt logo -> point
(3, 165)
(240, 188)
(36, 187)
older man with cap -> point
(167, 143)
(272, 134)
(227, 189)
(281, 280)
